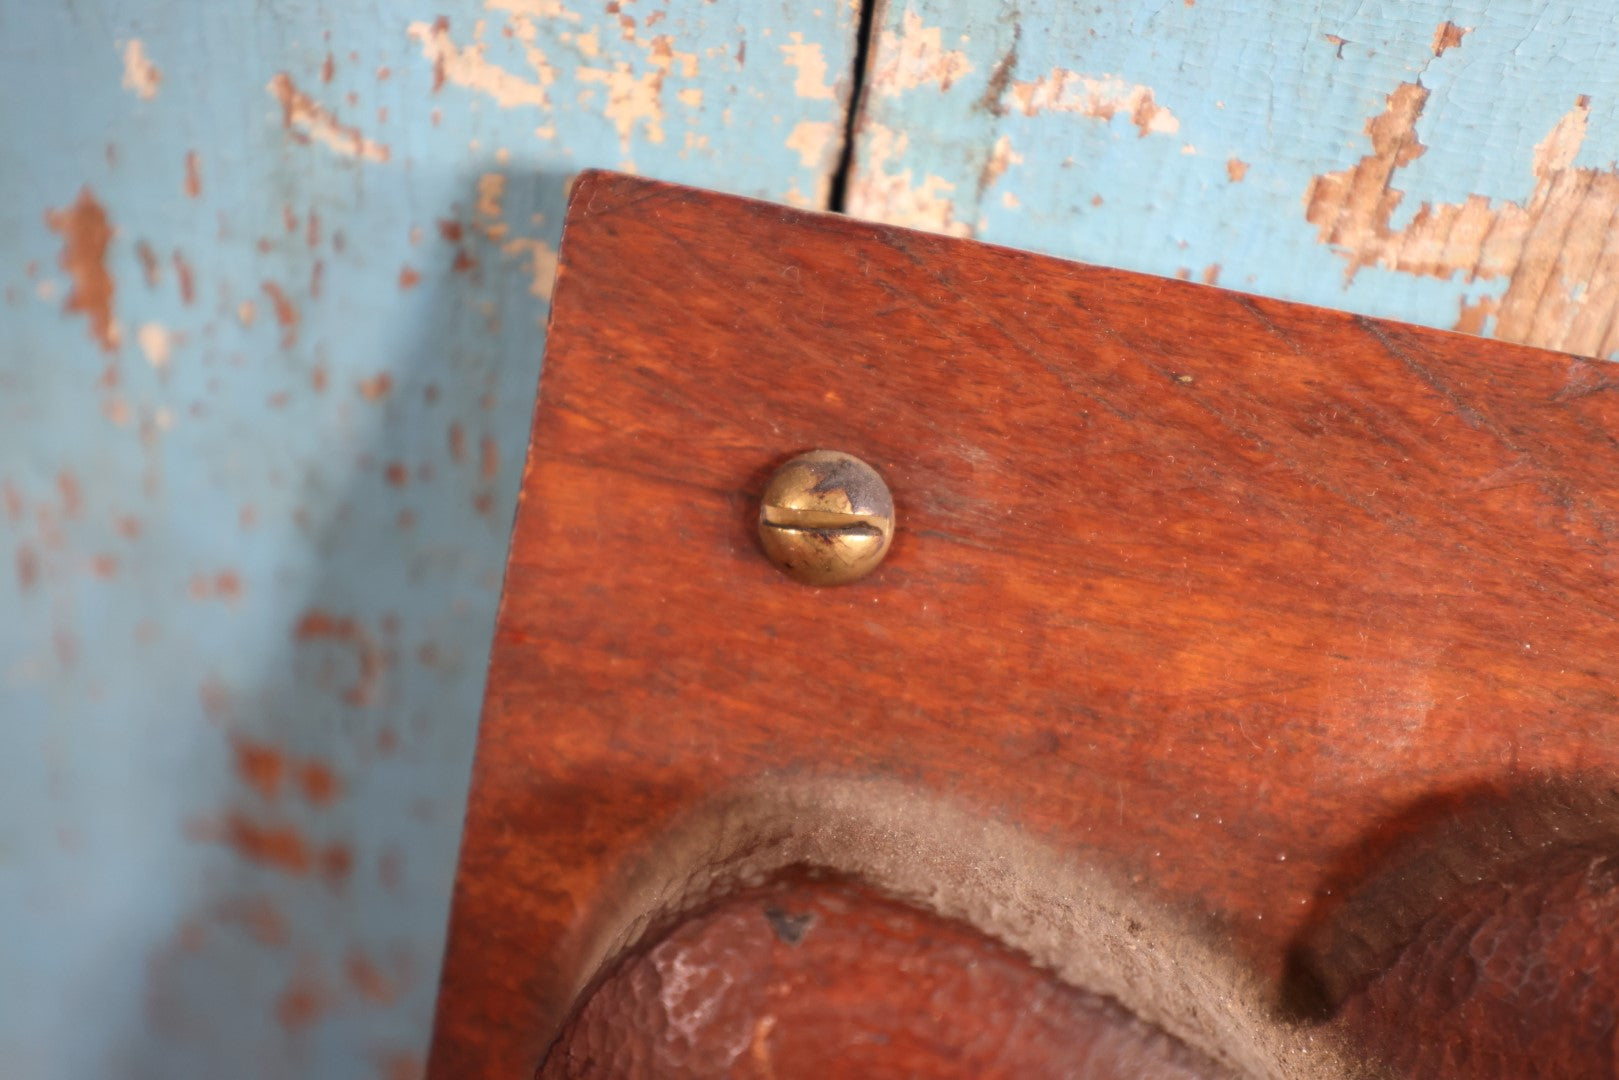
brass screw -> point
(826, 518)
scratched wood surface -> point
(273, 289)
(1251, 664)
(1445, 162)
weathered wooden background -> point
(275, 279)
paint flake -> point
(469, 67)
(156, 343)
(1447, 36)
(86, 232)
(308, 119)
(916, 57)
(1103, 97)
(813, 139)
(1554, 248)
(807, 59)
(140, 74)
(897, 198)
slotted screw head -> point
(826, 518)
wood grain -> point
(1199, 607)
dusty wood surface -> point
(1205, 614)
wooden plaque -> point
(1250, 666)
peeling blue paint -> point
(235, 532)
(1285, 89)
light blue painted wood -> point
(979, 121)
(236, 544)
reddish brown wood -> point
(807, 979)
(1485, 946)
(1201, 606)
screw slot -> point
(826, 518)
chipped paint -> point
(813, 140)
(275, 846)
(298, 433)
(375, 388)
(86, 233)
(542, 263)
(896, 196)
(491, 224)
(140, 74)
(638, 98)
(317, 625)
(807, 59)
(915, 56)
(304, 1001)
(491, 189)
(309, 120)
(259, 765)
(1267, 124)
(183, 278)
(285, 313)
(469, 66)
(1447, 36)
(632, 92)
(1103, 97)
(1553, 247)
(156, 344)
(1001, 158)
(631, 99)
